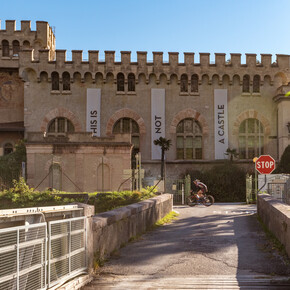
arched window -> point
(246, 84)
(15, 47)
(7, 148)
(131, 82)
(5, 48)
(66, 81)
(26, 44)
(188, 140)
(54, 81)
(129, 126)
(184, 83)
(120, 82)
(43, 76)
(60, 126)
(256, 84)
(251, 139)
(194, 83)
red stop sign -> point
(265, 164)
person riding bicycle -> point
(202, 188)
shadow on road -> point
(203, 241)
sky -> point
(212, 26)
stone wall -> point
(115, 228)
(276, 216)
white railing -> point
(22, 257)
(43, 255)
(66, 249)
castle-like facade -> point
(88, 118)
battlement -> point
(10, 27)
(282, 61)
(12, 40)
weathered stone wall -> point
(276, 216)
(86, 166)
(115, 228)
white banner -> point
(221, 123)
(157, 120)
(93, 111)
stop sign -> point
(265, 164)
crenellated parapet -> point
(12, 40)
(221, 67)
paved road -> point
(217, 247)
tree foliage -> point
(165, 145)
(226, 182)
(11, 165)
(284, 165)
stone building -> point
(76, 105)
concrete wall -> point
(114, 228)
(276, 216)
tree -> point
(165, 145)
(284, 164)
(232, 153)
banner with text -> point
(93, 111)
(157, 120)
(221, 123)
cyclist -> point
(202, 188)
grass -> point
(167, 219)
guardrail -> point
(43, 255)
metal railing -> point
(22, 257)
(66, 248)
(43, 255)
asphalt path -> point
(218, 247)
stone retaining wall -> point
(113, 229)
(276, 216)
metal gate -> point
(181, 189)
(23, 257)
(43, 255)
(250, 191)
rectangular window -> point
(61, 125)
(126, 125)
(189, 148)
(242, 147)
(251, 147)
(180, 148)
(198, 153)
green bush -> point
(110, 200)
(11, 165)
(284, 164)
(21, 195)
(226, 182)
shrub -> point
(11, 164)
(110, 200)
(226, 182)
(284, 165)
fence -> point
(22, 257)
(180, 189)
(41, 256)
(277, 185)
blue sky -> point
(222, 26)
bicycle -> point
(193, 199)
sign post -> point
(265, 164)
